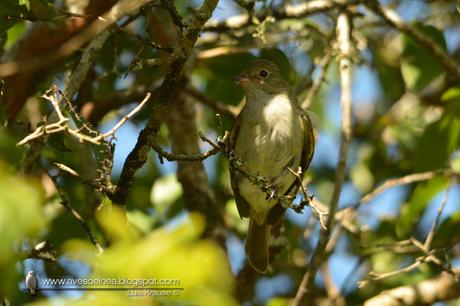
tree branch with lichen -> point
(162, 98)
(305, 289)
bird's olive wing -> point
(241, 204)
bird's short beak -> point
(240, 79)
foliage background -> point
(181, 216)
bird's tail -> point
(257, 245)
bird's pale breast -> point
(271, 142)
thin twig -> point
(344, 40)
(404, 180)
(86, 61)
(62, 124)
(289, 11)
(320, 212)
(77, 216)
(217, 106)
(323, 65)
(426, 257)
(429, 237)
(125, 118)
(184, 157)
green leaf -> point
(278, 302)
(413, 210)
(41, 9)
(14, 33)
(389, 74)
(439, 140)
(451, 99)
(165, 192)
(21, 218)
(26, 3)
(452, 93)
(12, 11)
(418, 66)
(448, 233)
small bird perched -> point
(271, 135)
(31, 283)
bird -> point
(31, 283)
(272, 136)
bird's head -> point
(262, 75)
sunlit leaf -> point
(418, 66)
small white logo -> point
(31, 283)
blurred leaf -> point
(41, 9)
(414, 208)
(447, 233)
(230, 65)
(8, 9)
(12, 11)
(384, 233)
(389, 74)
(451, 94)
(455, 162)
(439, 140)
(113, 220)
(26, 3)
(21, 218)
(172, 257)
(278, 302)
(451, 99)
(418, 66)
(361, 176)
(384, 261)
(9, 152)
(165, 192)
(140, 220)
(14, 33)
(233, 217)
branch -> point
(77, 216)
(393, 19)
(323, 65)
(429, 237)
(442, 288)
(428, 255)
(408, 179)
(290, 11)
(43, 250)
(119, 10)
(175, 17)
(183, 157)
(344, 40)
(62, 124)
(147, 137)
(86, 61)
(95, 111)
(217, 106)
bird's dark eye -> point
(264, 74)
